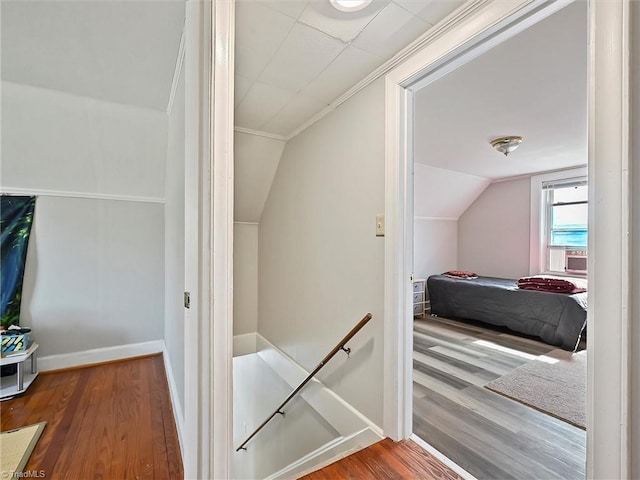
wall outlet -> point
(380, 225)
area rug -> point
(554, 383)
(16, 447)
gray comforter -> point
(558, 319)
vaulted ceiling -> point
(119, 51)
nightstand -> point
(419, 297)
(16, 384)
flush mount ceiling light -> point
(349, 5)
(506, 145)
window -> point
(565, 225)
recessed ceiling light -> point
(350, 5)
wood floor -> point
(387, 460)
(111, 422)
(490, 436)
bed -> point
(557, 318)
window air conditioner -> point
(576, 262)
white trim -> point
(537, 241)
(176, 73)
(449, 219)
(442, 458)
(321, 113)
(532, 174)
(258, 133)
(245, 344)
(608, 450)
(87, 195)
(175, 398)
(221, 231)
(98, 355)
(327, 454)
(608, 317)
(197, 347)
(245, 223)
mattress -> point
(557, 318)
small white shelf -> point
(16, 384)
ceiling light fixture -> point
(506, 145)
(349, 5)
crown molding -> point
(258, 133)
(86, 195)
(442, 26)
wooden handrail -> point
(323, 362)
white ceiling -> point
(295, 57)
(113, 50)
(534, 85)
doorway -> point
(477, 31)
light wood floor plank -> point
(489, 435)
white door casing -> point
(209, 51)
(473, 29)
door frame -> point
(208, 339)
(473, 29)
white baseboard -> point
(327, 454)
(98, 355)
(245, 344)
(175, 399)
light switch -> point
(380, 225)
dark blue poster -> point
(16, 218)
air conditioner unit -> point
(576, 262)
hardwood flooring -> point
(112, 421)
(387, 460)
(490, 436)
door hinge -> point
(187, 300)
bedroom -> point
(478, 210)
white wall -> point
(174, 322)
(95, 268)
(245, 278)
(440, 197)
(56, 141)
(493, 234)
(435, 248)
(94, 275)
(321, 266)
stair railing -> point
(323, 362)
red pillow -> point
(460, 274)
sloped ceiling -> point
(118, 51)
(256, 162)
(294, 58)
(533, 85)
(441, 193)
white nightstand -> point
(15, 384)
(419, 297)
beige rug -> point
(16, 447)
(555, 383)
